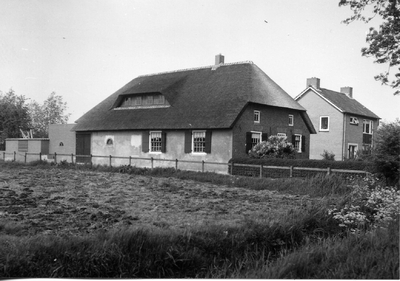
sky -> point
(85, 50)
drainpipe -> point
(344, 137)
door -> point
(83, 148)
(352, 151)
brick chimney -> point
(219, 59)
(314, 82)
(348, 91)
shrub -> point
(328, 155)
(274, 147)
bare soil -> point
(74, 202)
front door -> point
(352, 151)
(83, 148)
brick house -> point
(208, 113)
(344, 126)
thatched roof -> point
(203, 98)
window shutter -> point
(163, 142)
(188, 141)
(145, 141)
(208, 142)
(264, 137)
(293, 139)
(303, 143)
(248, 142)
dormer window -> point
(141, 101)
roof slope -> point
(200, 98)
(343, 102)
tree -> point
(384, 43)
(387, 151)
(14, 116)
(51, 112)
(274, 147)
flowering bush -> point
(368, 206)
(275, 147)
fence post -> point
(40, 156)
(91, 162)
(15, 156)
(291, 172)
(329, 171)
(202, 166)
(232, 168)
(152, 162)
(72, 158)
(25, 156)
(55, 157)
(176, 164)
(261, 170)
(130, 160)
(110, 160)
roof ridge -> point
(197, 68)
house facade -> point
(344, 126)
(206, 114)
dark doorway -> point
(83, 148)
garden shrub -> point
(274, 147)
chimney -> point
(314, 82)
(219, 59)
(348, 91)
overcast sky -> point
(85, 50)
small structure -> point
(62, 141)
(208, 113)
(26, 149)
(344, 126)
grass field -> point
(68, 221)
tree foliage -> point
(52, 111)
(274, 147)
(387, 151)
(384, 43)
(14, 115)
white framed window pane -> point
(324, 123)
(155, 141)
(199, 141)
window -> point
(159, 99)
(155, 141)
(256, 116)
(291, 120)
(136, 101)
(22, 146)
(109, 141)
(61, 144)
(255, 138)
(324, 123)
(297, 143)
(199, 141)
(148, 100)
(352, 148)
(367, 126)
(353, 120)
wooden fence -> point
(232, 168)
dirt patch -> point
(71, 202)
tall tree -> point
(384, 43)
(52, 111)
(14, 116)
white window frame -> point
(354, 120)
(365, 122)
(320, 124)
(107, 138)
(299, 142)
(193, 142)
(158, 151)
(258, 133)
(257, 116)
(291, 120)
(281, 134)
